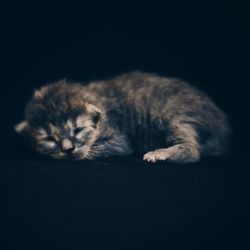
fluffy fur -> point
(160, 118)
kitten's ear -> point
(95, 112)
(40, 93)
(22, 127)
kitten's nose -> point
(67, 145)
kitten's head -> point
(60, 123)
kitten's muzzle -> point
(67, 146)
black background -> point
(123, 202)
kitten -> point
(160, 118)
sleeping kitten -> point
(160, 118)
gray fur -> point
(162, 118)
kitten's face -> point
(70, 139)
(59, 124)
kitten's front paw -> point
(156, 155)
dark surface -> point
(124, 203)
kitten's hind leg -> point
(185, 149)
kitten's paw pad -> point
(156, 155)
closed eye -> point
(78, 130)
(50, 138)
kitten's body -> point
(137, 112)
